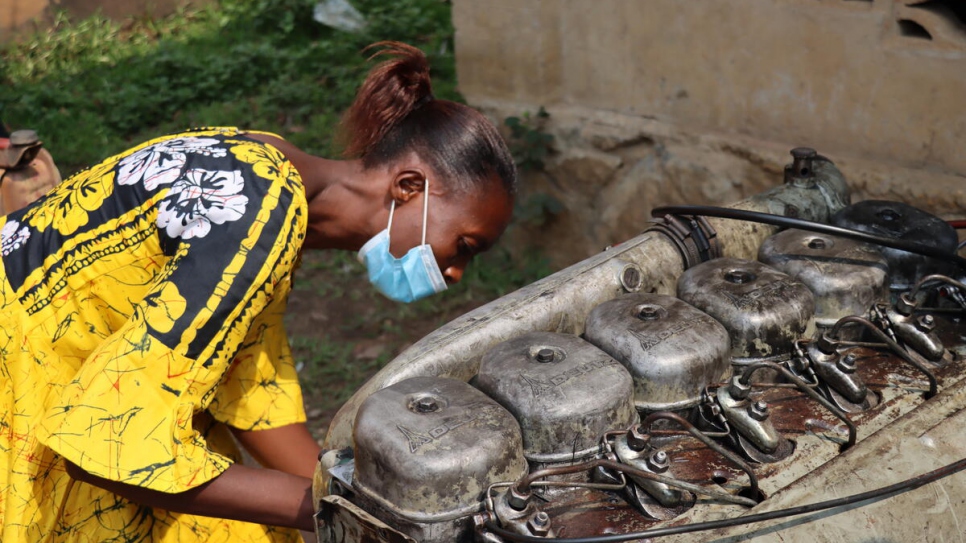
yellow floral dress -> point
(141, 306)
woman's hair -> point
(395, 112)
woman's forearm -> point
(291, 448)
(263, 496)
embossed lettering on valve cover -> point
(542, 387)
(474, 411)
(651, 340)
(750, 298)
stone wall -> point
(661, 101)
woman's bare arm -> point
(290, 448)
(263, 496)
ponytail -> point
(394, 112)
(393, 89)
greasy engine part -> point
(27, 171)
(763, 309)
(426, 449)
(655, 499)
(562, 390)
(845, 276)
(694, 237)
(902, 221)
(913, 426)
(672, 349)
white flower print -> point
(163, 163)
(11, 238)
(200, 198)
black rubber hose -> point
(904, 486)
(812, 226)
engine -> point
(708, 376)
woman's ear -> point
(406, 184)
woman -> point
(141, 309)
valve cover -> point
(427, 449)
(763, 309)
(846, 276)
(564, 392)
(672, 349)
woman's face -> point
(458, 227)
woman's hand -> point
(264, 496)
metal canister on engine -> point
(763, 309)
(426, 451)
(672, 349)
(846, 276)
(564, 392)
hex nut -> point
(539, 523)
(846, 364)
(516, 499)
(636, 439)
(658, 462)
(738, 389)
(926, 323)
(758, 410)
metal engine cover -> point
(564, 392)
(427, 449)
(672, 349)
(763, 309)
(846, 276)
(902, 221)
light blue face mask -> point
(407, 279)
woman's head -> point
(395, 113)
(473, 178)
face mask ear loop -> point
(425, 208)
(392, 208)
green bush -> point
(91, 88)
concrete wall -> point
(670, 101)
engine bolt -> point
(739, 277)
(802, 160)
(649, 313)
(517, 499)
(926, 323)
(636, 439)
(545, 355)
(905, 305)
(846, 364)
(658, 462)
(539, 523)
(817, 243)
(758, 410)
(427, 404)
(738, 389)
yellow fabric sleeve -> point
(261, 389)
